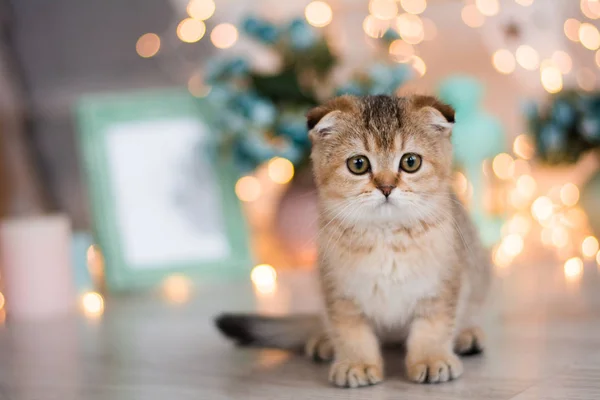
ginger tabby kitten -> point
(399, 258)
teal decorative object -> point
(262, 115)
(477, 136)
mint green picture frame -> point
(95, 114)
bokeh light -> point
(526, 186)
(560, 237)
(519, 224)
(2, 301)
(375, 27)
(569, 194)
(551, 79)
(597, 58)
(527, 57)
(571, 28)
(177, 289)
(524, 3)
(521, 167)
(410, 28)
(590, 8)
(418, 65)
(201, 9)
(148, 45)
(400, 51)
(224, 36)
(523, 147)
(471, 16)
(460, 183)
(197, 87)
(598, 258)
(573, 268)
(190, 30)
(512, 245)
(563, 61)
(589, 36)
(488, 7)
(92, 304)
(542, 208)
(383, 9)
(503, 166)
(318, 13)
(280, 170)
(503, 61)
(414, 6)
(264, 278)
(589, 247)
(586, 79)
(248, 188)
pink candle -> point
(35, 256)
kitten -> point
(399, 258)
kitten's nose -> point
(386, 189)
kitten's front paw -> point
(470, 341)
(319, 348)
(352, 375)
(434, 368)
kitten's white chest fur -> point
(388, 284)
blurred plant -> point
(261, 115)
(567, 127)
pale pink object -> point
(35, 257)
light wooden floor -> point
(544, 344)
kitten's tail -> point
(289, 333)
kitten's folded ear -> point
(321, 121)
(440, 114)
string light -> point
(523, 147)
(503, 166)
(563, 61)
(551, 79)
(147, 45)
(264, 278)
(590, 8)
(375, 27)
(542, 208)
(524, 3)
(383, 9)
(190, 30)
(569, 194)
(571, 28)
(418, 65)
(92, 304)
(318, 13)
(471, 16)
(527, 57)
(488, 7)
(201, 9)
(414, 6)
(586, 79)
(503, 61)
(410, 27)
(573, 268)
(177, 289)
(526, 186)
(280, 170)
(589, 36)
(248, 188)
(589, 247)
(401, 51)
(224, 36)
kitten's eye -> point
(410, 162)
(358, 165)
